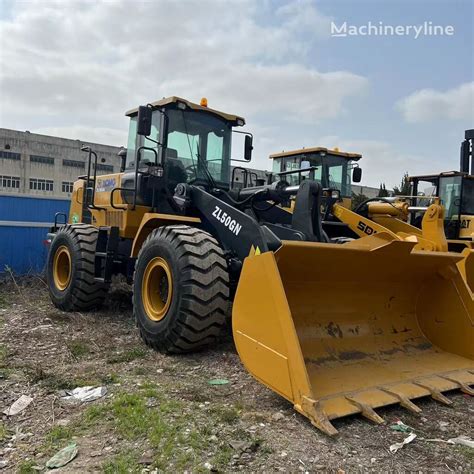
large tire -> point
(180, 289)
(70, 269)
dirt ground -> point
(160, 413)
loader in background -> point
(335, 329)
(401, 216)
(333, 169)
(447, 227)
(454, 190)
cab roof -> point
(174, 99)
(316, 150)
(431, 177)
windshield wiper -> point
(206, 169)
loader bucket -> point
(466, 267)
(345, 329)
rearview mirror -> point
(248, 147)
(144, 120)
(356, 175)
(123, 158)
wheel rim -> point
(62, 268)
(157, 289)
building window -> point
(10, 182)
(108, 168)
(9, 155)
(42, 159)
(37, 184)
(67, 186)
(74, 164)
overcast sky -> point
(72, 68)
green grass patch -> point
(127, 356)
(466, 452)
(109, 379)
(223, 457)
(3, 302)
(4, 373)
(131, 416)
(160, 426)
(78, 348)
(58, 434)
(58, 437)
(26, 467)
(52, 382)
(95, 413)
(178, 440)
(225, 414)
(141, 371)
(124, 463)
(3, 355)
(3, 432)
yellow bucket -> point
(466, 267)
(344, 329)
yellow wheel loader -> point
(335, 329)
(331, 168)
(391, 215)
(401, 215)
(439, 211)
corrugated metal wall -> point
(24, 223)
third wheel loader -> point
(335, 328)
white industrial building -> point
(41, 165)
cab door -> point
(450, 192)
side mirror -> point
(248, 147)
(123, 159)
(144, 120)
(356, 175)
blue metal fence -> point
(24, 223)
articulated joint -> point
(182, 196)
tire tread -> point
(204, 284)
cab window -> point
(132, 140)
(276, 166)
(468, 197)
(450, 194)
(335, 177)
(186, 146)
(201, 142)
(135, 141)
(292, 164)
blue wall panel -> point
(22, 246)
(25, 208)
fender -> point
(152, 220)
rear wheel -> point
(70, 269)
(180, 289)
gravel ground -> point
(160, 413)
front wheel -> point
(180, 289)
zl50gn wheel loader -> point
(335, 329)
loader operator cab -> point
(183, 141)
(456, 191)
(331, 168)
